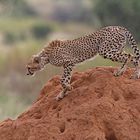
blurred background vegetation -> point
(27, 25)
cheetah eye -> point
(37, 59)
(29, 68)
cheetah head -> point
(35, 64)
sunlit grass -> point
(10, 105)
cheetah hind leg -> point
(120, 71)
(136, 74)
(119, 57)
(123, 68)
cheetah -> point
(108, 42)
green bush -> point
(40, 31)
(21, 31)
(9, 38)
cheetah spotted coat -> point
(108, 42)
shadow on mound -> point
(100, 107)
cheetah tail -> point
(132, 43)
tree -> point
(119, 12)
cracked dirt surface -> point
(100, 107)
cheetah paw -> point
(59, 97)
(69, 87)
(135, 76)
(118, 73)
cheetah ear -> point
(36, 59)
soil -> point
(100, 107)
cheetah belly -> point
(84, 54)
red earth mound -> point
(100, 107)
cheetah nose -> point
(27, 74)
(30, 74)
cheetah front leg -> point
(65, 82)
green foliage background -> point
(119, 12)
